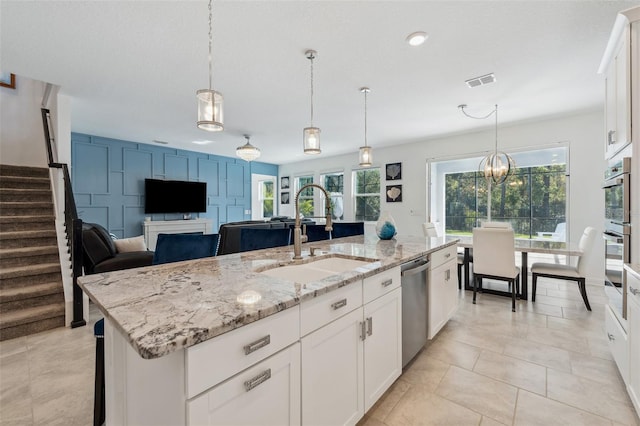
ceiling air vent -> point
(481, 81)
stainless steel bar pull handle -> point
(260, 343)
(387, 283)
(447, 255)
(447, 275)
(339, 304)
(258, 380)
(363, 330)
(369, 326)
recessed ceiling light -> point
(202, 142)
(417, 38)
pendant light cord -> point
(495, 111)
(365, 117)
(210, 44)
(311, 59)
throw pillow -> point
(125, 245)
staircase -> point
(31, 291)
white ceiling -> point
(132, 67)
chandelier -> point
(366, 153)
(497, 166)
(311, 135)
(210, 101)
(247, 151)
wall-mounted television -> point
(174, 196)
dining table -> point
(524, 246)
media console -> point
(152, 228)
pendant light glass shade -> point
(497, 166)
(366, 156)
(366, 153)
(210, 110)
(210, 115)
(247, 151)
(311, 140)
(311, 135)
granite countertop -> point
(164, 308)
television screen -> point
(174, 196)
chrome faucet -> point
(298, 236)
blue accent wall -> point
(108, 181)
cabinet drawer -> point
(266, 394)
(633, 287)
(213, 361)
(441, 256)
(379, 284)
(322, 310)
(617, 342)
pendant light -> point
(311, 135)
(366, 153)
(210, 101)
(247, 151)
(497, 166)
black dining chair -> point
(316, 233)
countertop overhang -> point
(164, 308)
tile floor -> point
(546, 364)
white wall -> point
(583, 133)
(21, 133)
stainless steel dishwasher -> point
(415, 275)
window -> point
(366, 194)
(533, 200)
(334, 184)
(266, 198)
(305, 199)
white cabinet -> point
(618, 343)
(382, 345)
(349, 362)
(442, 291)
(271, 388)
(633, 317)
(620, 68)
(333, 372)
(152, 228)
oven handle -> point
(615, 238)
(613, 182)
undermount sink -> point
(316, 269)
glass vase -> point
(386, 226)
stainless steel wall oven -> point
(617, 233)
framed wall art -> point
(393, 171)
(284, 198)
(8, 80)
(394, 193)
(284, 182)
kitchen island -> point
(177, 336)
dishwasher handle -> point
(416, 270)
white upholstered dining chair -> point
(568, 272)
(494, 258)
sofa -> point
(230, 233)
(100, 254)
